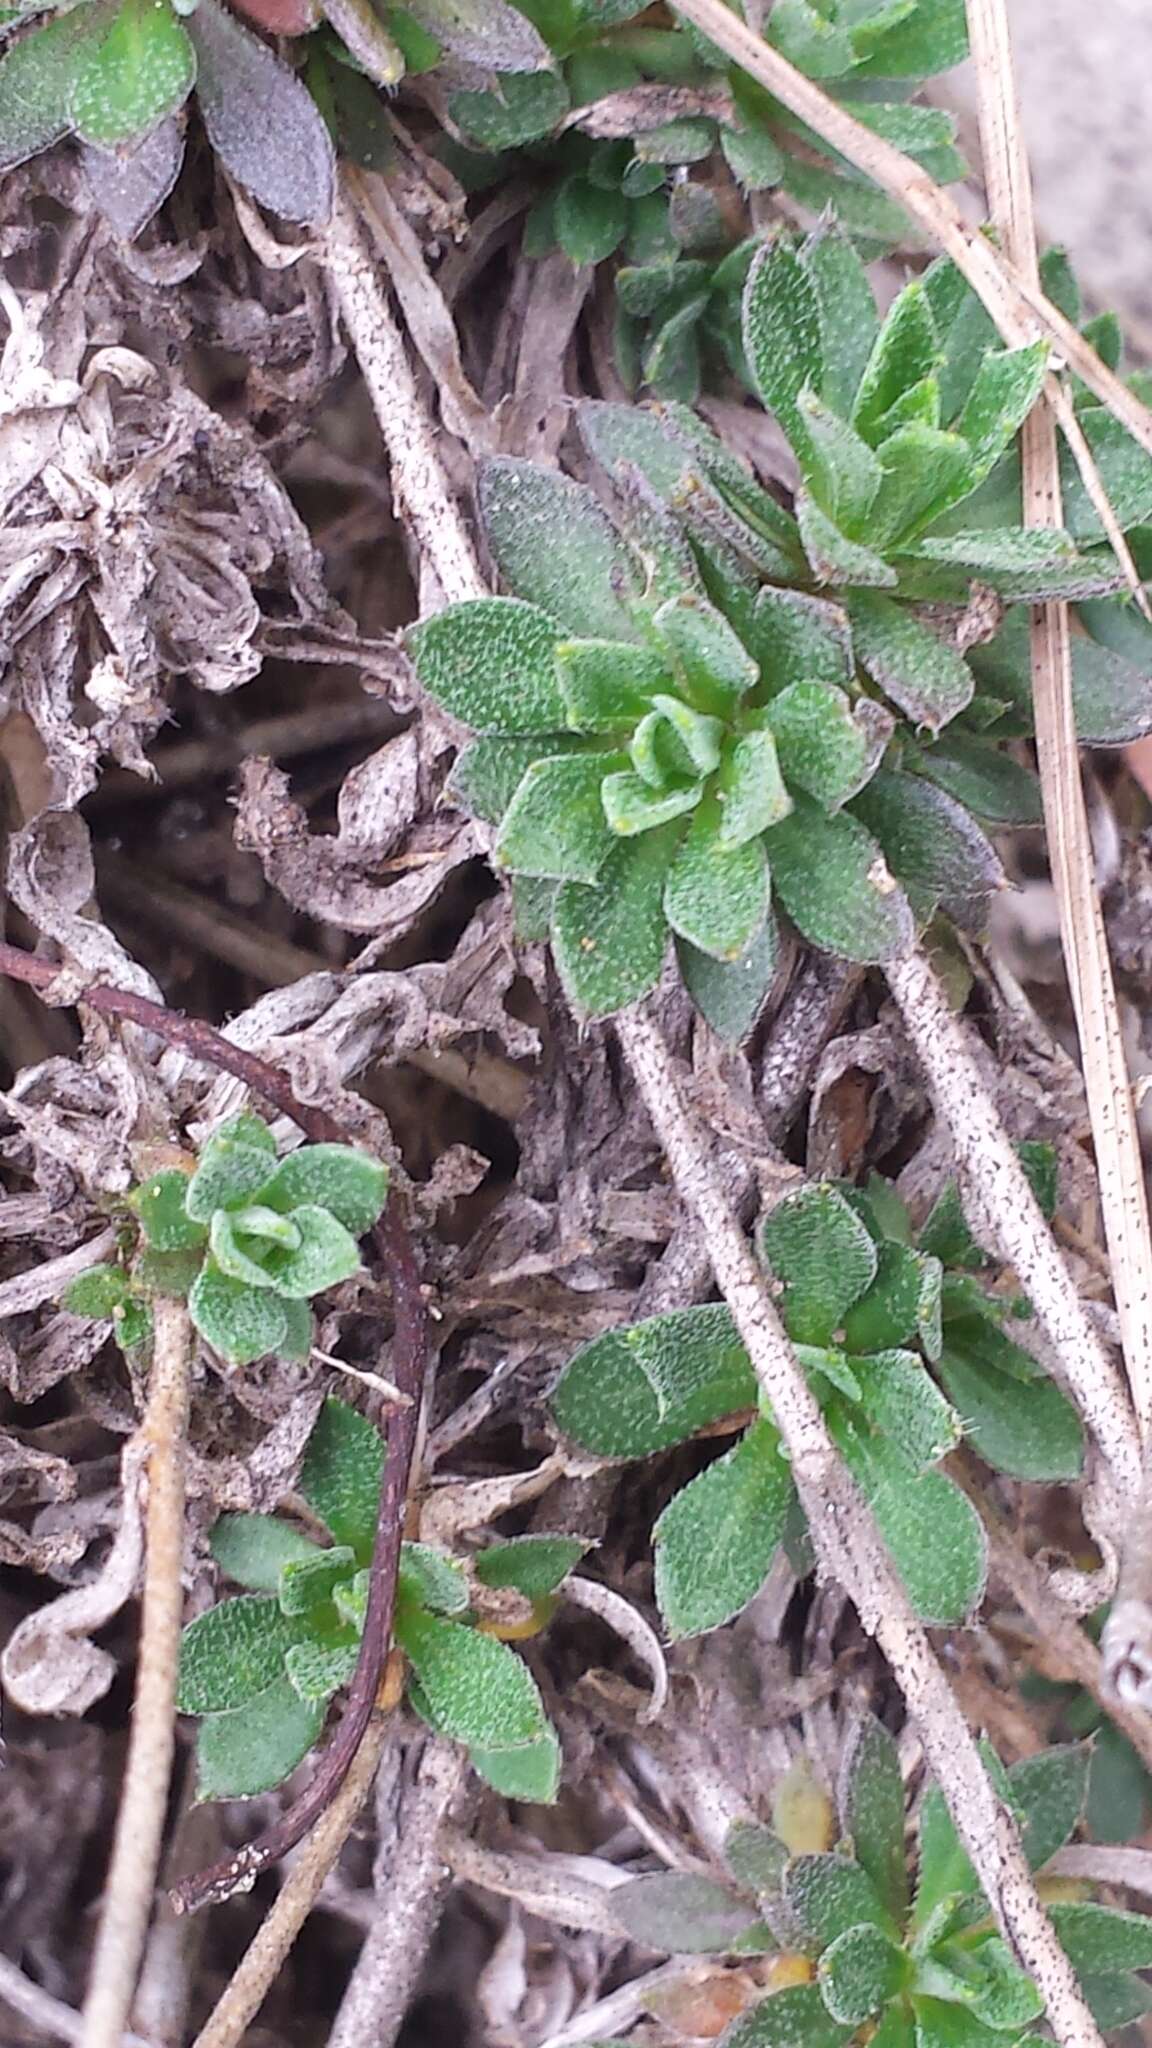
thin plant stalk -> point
(850, 1546)
(131, 1880)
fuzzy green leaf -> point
(907, 350)
(934, 1534)
(944, 1867)
(859, 1972)
(309, 1582)
(833, 557)
(921, 673)
(349, 1184)
(258, 1746)
(261, 119)
(751, 789)
(609, 942)
(341, 1474)
(1125, 472)
(1050, 1790)
(433, 1580)
(985, 779)
(98, 1293)
(476, 1689)
(756, 1857)
(888, 1314)
(848, 323)
(235, 1163)
(238, 1258)
(1007, 385)
(252, 1549)
(1027, 565)
(834, 883)
(590, 220)
(555, 825)
(326, 1255)
(830, 1894)
(640, 1389)
(486, 776)
(802, 32)
(827, 745)
(1112, 2000)
(632, 805)
(730, 993)
(921, 41)
(933, 846)
(680, 1913)
(241, 1323)
(871, 1804)
(714, 668)
(491, 662)
(606, 687)
(822, 1257)
(317, 1670)
(534, 1565)
(716, 895)
(139, 72)
(795, 2018)
(783, 338)
(755, 161)
(524, 106)
(159, 1203)
(716, 1540)
(36, 79)
(925, 473)
(557, 548)
(1098, 1939)
(839, 468)
(231, 1653)
(530, 1772)
(1030, 1433)
(903, 1402)
(798, 638)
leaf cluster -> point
(888, 1960)
(261, 1668)
(246, 1238)
(905, 1353)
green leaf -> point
(714, 668)
(1113, 2001)
(556, 546)
(485, 777)
(36, 80)
(326, 1255)
(830, 1894)
(1029, 565)
(231, 1653)
(832, 879)
(239, 1259)
(523, 107)
(533, 1565)
(933, 846)
(921, 673)
(897, 2029)
(98, 1293)
(632, 806)
(1098, 1940)
(871, 1804)
(680, 1913)
(803, 33)
(241, 1323)
(921, 41)
(1111, 690)
(942, 2024)
(260, 118)
(349, 1184)
(638, 1390)
(235, 1163)
(848, 323)
(555, 825)
(730, 993)
(341, 1474)
(1005, 1998)
(159, 1203)
(982, 777)
(258, 1746)
(756, 1857)
(822, 1257)
(715, 1542)
(433, 1580)
(171, 1273)
(832, 556)
(606, 687)
(491, 662)
(751, 788)
(888, 1314)
(141, 71)
(826, 744)
(907, 349)
(309, 1582)
(944, 1868)
(926, 473)
(799, 638)
(1030, 1432)
(1007, 385)
(754, 159)
(1050, 1790)
(783, 337)
(903, 1402)
(317, 1670)
(859, 1972)
(675, 142)
(934, 1534)
(839, 468)
(476, 1689)
(796, 2018)
(591, 221)
(252, 1549)
(1118, 1794)
(716, 895)
(1125, 472)
(609, 942)
(531, 1772)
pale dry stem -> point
(849, 1546)
(131, 1879)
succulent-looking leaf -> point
(934, 847)
(859, 1972)
(716, 894)
(933, 1532)
(557, 548)
(555, 825)
(1007, 385)
(326, 1255)
(984, 779)
(750, 789)
(348, 1183)
(871, 1806)
(530, 1772)
(252, 1549)
(1050, 1790)
(533, 1565)
(139, 72)
(1036, 1435)
(906, 350)
(756, 1857)
(261, 119)
(796, 2018)
(830, 1894)
(716, 1540)
(258, 1746)
(848, 322)
(609, 941)
(1098, 1939)
(887, 1315)
(486, 776)
(317, 1670)
(801, 639)
(926, 472)
(822, 1256)
(309, 1582)
(826, 744)
(712, 663)
(477, 1690)
(921, 673)
(491, 33)
(36, 79)
(433, 1580)
(159, 1202)
(680, 1913)
(98, 1293)
(341, 1474)
(523, 107)
(832, 556)
(241, 1323)
(491, 661)
(904, 1403)
(730, 993)
(231, 1653)
(833, 881)
(234, 1164)
(783, 339)
(839, 468)
(633, 1391)
(944, 1867)
(606, 687)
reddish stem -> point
(394, 1246)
